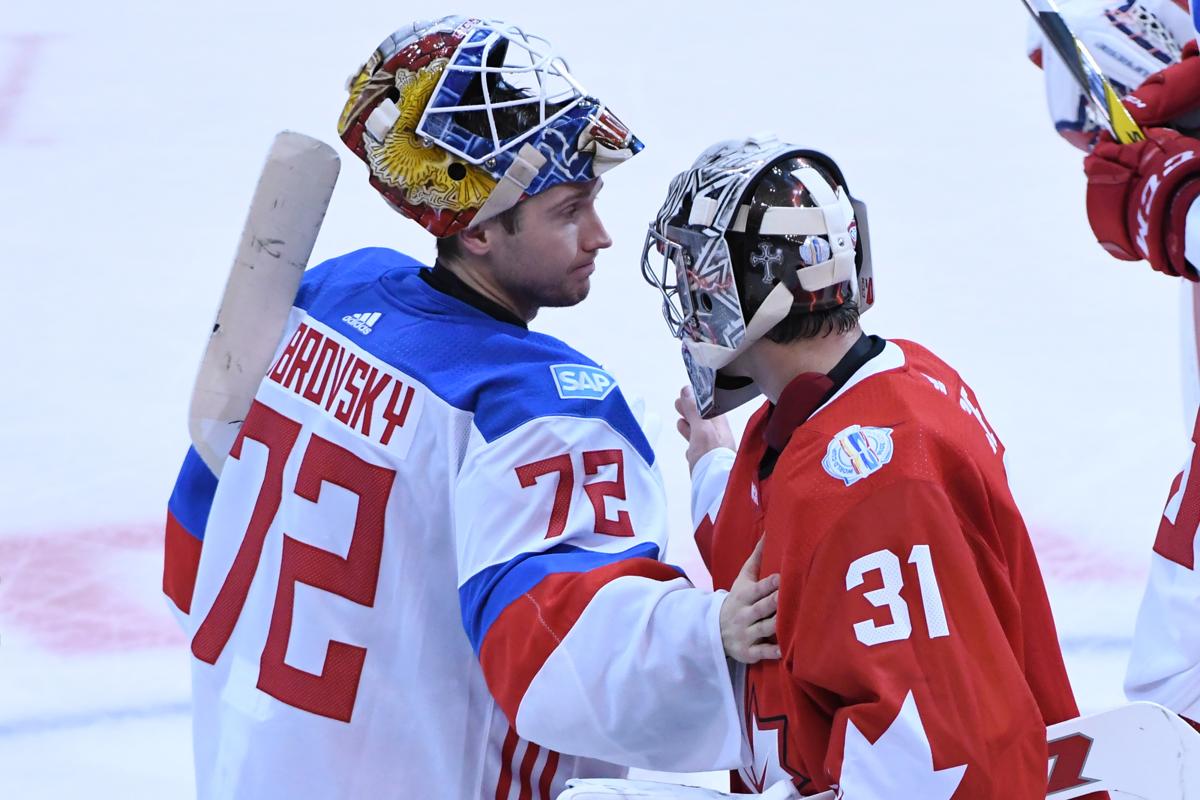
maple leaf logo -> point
(767, 737)
(898, 764)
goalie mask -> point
(460, 119)
(756, 230)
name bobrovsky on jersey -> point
(366, 395)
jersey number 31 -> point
(888, 565)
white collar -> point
(892, 357)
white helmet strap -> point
(508, 192)
(831, 217)
(838, 213)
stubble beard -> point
(557, 295)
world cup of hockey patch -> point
(858, 452)
(579, 381)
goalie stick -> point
(1139, 751)
(1087, 74)
(281, 228)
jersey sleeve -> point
(1164, 662)
(588, 641)
(1191, 233)
(897, 628)
(709, 479)
(187, 516)
(192, 497)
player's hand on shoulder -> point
(1138, 196)
(703, 435)
(748, 614)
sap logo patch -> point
(579, 381)
(857, 452)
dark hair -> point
(449, 248)
(799, 324)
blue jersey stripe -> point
(191, 500)
(501, 373)
(487, 593)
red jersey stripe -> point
(506, 757)
(528, 631)
(181, 560)
(526, 775)
(548, 772)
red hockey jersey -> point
(920, 658)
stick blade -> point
(1140, 750)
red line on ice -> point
(70, 594)
(14, 83)
(1072, 559)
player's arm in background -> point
(1164, 662)
(1141, 200)
(589, 642)
(1142, 203)
(896, 624)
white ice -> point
(131, 134)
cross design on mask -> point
(765, 258)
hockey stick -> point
(1141, 751)
(1087, 74)
(281, 228)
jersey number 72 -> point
(331, 693)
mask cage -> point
(510, 82)
(695, 277)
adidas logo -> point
(362, 322)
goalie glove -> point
(1138, 197)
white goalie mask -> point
(755, 230)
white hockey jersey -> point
(1164, 662)
(432, 566)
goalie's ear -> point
(479, 239)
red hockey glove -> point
(1139, 194)
(1171, 95)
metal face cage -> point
(511, 69)
(694, 275)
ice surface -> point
(131, 134)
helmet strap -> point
(511, 188)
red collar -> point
(808, 391)
(797, 402)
